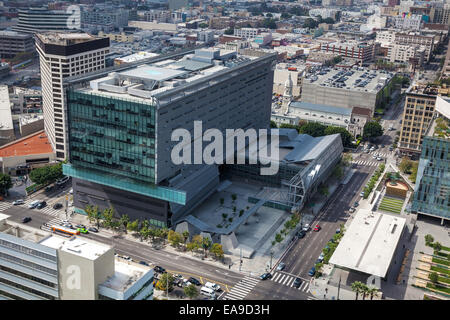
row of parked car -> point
(209, 289)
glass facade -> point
(112, 135)
(432, 192)
(127, 184)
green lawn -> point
(438, 287)
(441, 270)
(441, 261)
(444, 280)
(391, 205)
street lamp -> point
(271, 256)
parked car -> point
(361, 194)
(317, 228)
(41, 205)
(26, 219)
(128, 258)
(301, 234)
(297, 282)
(312, 271)
(57, 205)
(49, 188)
(18, 201)
(265, 276)
(379, 159)
(356, 204)
(194, 281)
(213, 286)
(159, 269)
(92, 229)
(143, 263)
(391, 148)
(80, 226)
(281, 266)
(351, 210)
(306, 228)
(338, 230)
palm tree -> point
(356, 286)
(123, 221)
(372, 291)
(365, 290)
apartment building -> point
(39, 265)
(388, 38)
(122, 121)
(163, 16)
(12, 43)
(247, 33)
(63, 55)
(417, 116)
(446, 66)
(106, 19)
(412, 22)
(401, 53)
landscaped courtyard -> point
(391, 204)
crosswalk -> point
(288, 280)
(367, 163)
(48, 209)
(241, 289)
(5, 205)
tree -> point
(372, 129)
(192, 246)
(5, 183)
(222, 200)
(185, 236)
(174, 238)
(347, 159)
(372, 291)
(233, 197)
(165, 283)
(346, 137)
(93, 214)
(285, 15)
(313, 129)
(217, 250)
(108, 215)
(206, 244)
(405, 165)
(133, 226)
(357, 288)
(47, 174)
(229, 31)
(328, 20)
(429, 239)
(433, 276)
(123, 221)
(203, 25)
(437, 246)
(273, 124)
(365, 290)
(190, 291)
(310, 23)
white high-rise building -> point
(64, 55)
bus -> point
(65, 231)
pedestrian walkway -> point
(288, 280)
(366, 163)
(48, 209)
(5, 205)
(241, 289)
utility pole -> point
(271, 256)
(240, 260)
(67, 206)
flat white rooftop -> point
(77, 246)
(6, 122)
(369, 243)
(125, 275)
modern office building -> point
(418, 113)
(35, 20)
(121, 124)
(12, 43)
(63, 55)
(105, 19)
(432, 192)
(38, 265)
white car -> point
(306, 228)
(212, 286)
(34, 204)
(18, 201)
(379, 159)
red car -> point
(317, 228)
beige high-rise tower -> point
(64, 55)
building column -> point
(442, 221)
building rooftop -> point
(77, 246)
(64, 38)
(125, 275)
(140, 82)
(15, 34)
(369, 243)
(136, 57)
(355, 79)
(34, 144)
(27, 119)
(6, 122)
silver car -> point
(281, 266)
